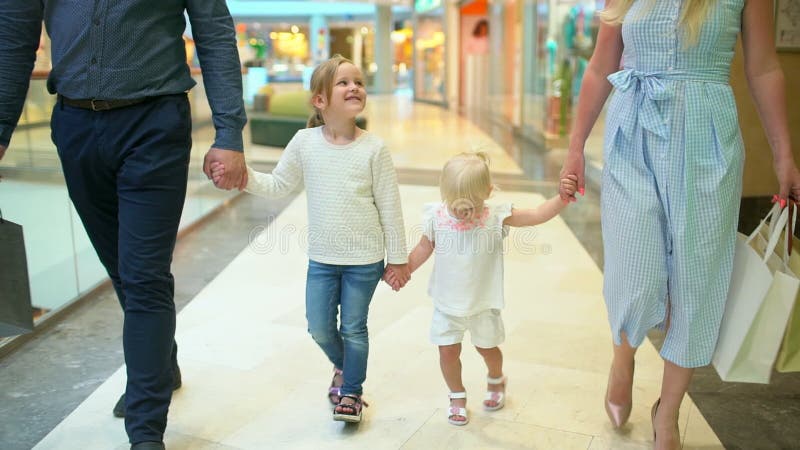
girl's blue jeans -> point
(332, 290)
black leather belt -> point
(101, 105)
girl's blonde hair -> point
(466, 180)
(693, 15)
(322, 84)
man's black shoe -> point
(119, 408)
(178, 382)
(149, 445)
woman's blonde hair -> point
(322, 84)
(693, 15)
(465, 180)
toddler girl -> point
(467, 281)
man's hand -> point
(235, 175)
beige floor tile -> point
(217, 401)
(583, 348)
(698, 434)
(178, 441)
(572, 400)
(485, 434)
(217, 345)
(302, 420)
(618, 442)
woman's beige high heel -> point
(618, 414)
(677, 431)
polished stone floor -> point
(254, 379)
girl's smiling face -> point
(348, 96)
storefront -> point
(403, 52)
(505, 61)
(430, 75)
(559, 38)
(284, 49)
(474, 56)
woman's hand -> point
(573, 165)
(788, 181)
(569, 185)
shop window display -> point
(565, 35)
(577, 43)
(429, 64)
(402, 41)
(283, 49)
(506, 77)
(474, 56)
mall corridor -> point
(695, 126)
(254, 379)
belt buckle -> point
(100, 105)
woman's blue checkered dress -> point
(672, 179)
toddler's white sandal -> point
(499, 398)
(455, 411)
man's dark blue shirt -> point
(122, 49)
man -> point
(122, 128)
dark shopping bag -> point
(15, 294)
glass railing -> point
(62, 265)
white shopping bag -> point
(760, 299)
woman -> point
(673, 175)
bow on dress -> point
(642, 92)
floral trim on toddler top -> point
(445, 220)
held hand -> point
(390, 278)
(401, 273)
(573, 165)
(234, 173)
(569, 185)
(788, 182)
(217, 171)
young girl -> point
(467, 281)
(354, 219)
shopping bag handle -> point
(779, 228)
(773, 216)
(787, 250)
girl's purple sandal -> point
(349, 412)
(334, 391)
